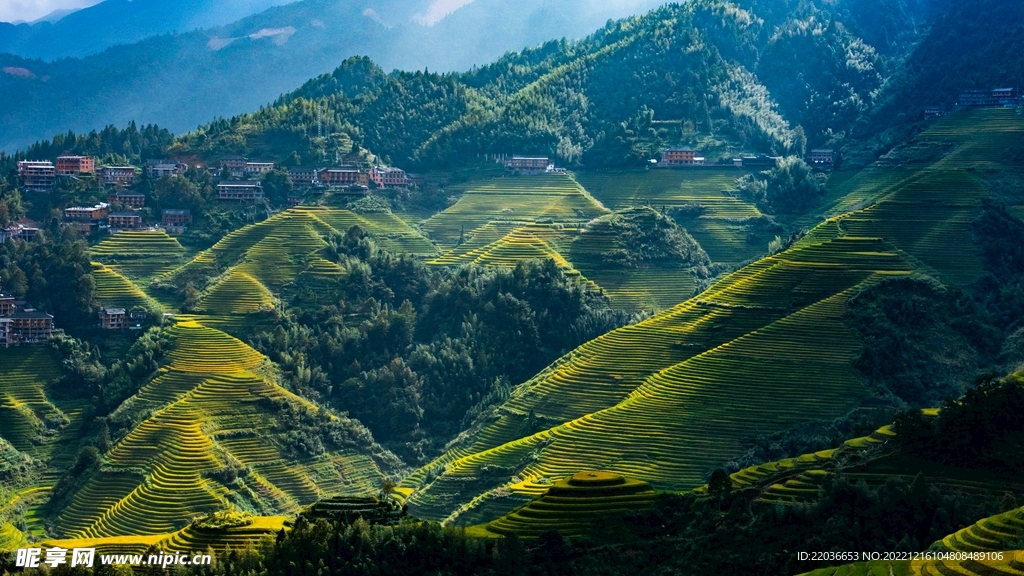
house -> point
(136, 318)
(6, 304)
(933, 112)
(353, 190)
(37, 176)
(295, 199)
(124, 221)
(23, 232)
(389, 177)
(235, 165)
(762, 161)
(165, 168)
(176, 216)
(30, 326)
(680, 156)
(83, 214)
(113, 318)
(528, 164)
(996, 97)
(123, 175)
(417, 180)
(6, 332)
(75, 165)
(257, 169)
(337, 177)
(240, 190)
(133, 200)
(822, 156)
(302, 177)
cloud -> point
(438, 10)
(29, 10)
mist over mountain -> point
(180, 80)
(79, 33)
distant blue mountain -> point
(181, 80)
(77, 33)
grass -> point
(208, 410)
(762, 350)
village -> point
(241, 181)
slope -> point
(219, 434)
(761, 351)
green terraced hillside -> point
(115, 291)
(210, 409)
(11, 538)
(718, 227)
(518, 199)
(29, 419)
(572, 505)
(139, 256)
(276, 251)
(759, 352)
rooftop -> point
(112, 311)
(30, 314)
(125, 215)
(176, 211)
(241, 183)
(680, 149)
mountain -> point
(180, 80)
(80, 33)
(767, 348)
(711, 75)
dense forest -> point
(414, 352)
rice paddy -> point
(572, 505)
(209, 412)
(760, 351)
(139, 256)
(522, 200)
(29, 419)
(115, 291)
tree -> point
(277, 186)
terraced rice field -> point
(26, 411)
(718, 228)
(760, 351)
(993, 533)
(115, 291)
(11, 538)
(572, 505)
(237, 293)
(193, 537)
(263, 258)
(209, 411)
(522, 200)
(139, 256)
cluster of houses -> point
(245, 185)
(123, 208)
(991, 98)
(685, 156)
(22, 324)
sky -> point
(29, 10)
